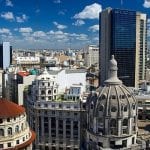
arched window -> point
(123, 96)
(55, 91)
(103, 96)
(125, 122)
(9, 131)
(1, 132)
(17, 129)
(113, 123)
(1, 120)
(129, 95)
(42, 92)
(133, 106)
(49, 92)
(101, 108)
(125, 108)
(113, 109)
(113, 97)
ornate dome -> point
(10, 109)
(112, 113)
(114, 98)
(15, 132)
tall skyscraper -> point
(123, 34)
(5, 55)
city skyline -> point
(58, 23)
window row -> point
(11, 119)
(10, 130)
(104, 96)
(43, 92)
(17, 142)
(114, 108)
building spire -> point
(113, 77)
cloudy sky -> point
(57, 23)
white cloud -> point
(58, 35)
(89, 12)
(5, 31)
(39, 34)
(15, 29)
(96, 38)
(57, 1)
(79, 23)
(146, 4)
(9, 3)
(94, 28)
(59, 26)
(40, 39)
(22, 18)
(8, 15)
(37, 10)
(25, 30)
(66, 35)
(82, 37)
(61, 13)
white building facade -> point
(91, 55)
(67, 77)
(55, 116)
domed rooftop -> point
(114, 96)
(112, 114)
(10, 109)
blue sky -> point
(57, 23)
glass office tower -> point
(123, 34)
(123, 43)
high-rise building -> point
(123, 34)
(91, 55)
(5, 55)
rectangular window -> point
(9, 144)
(124, 143)
(100, 144)
(133, 140)
(17, 142)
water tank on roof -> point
(34, 72)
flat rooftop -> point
(144, 129)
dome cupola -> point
(113, 78)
